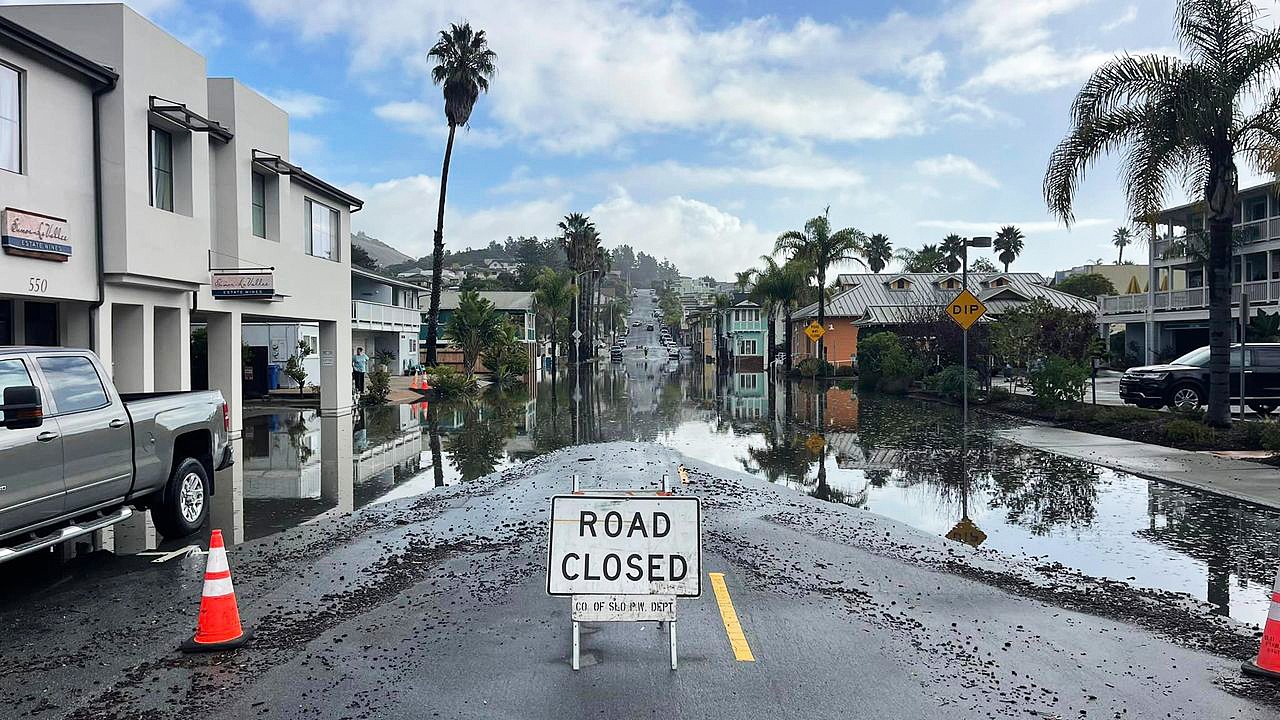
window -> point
(41, 322)
(999, 282)
(258, 191)
(747, 347)
(1265, 357)
(74, 383)
(161, 169)
(322, 230)
(748, 382)
(900, 284)
(951, 283)
(13, 373)
(1255, 209)
(10, 119)
(6, 322)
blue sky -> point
(696, 131)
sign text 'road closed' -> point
(625, 545)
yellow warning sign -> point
(966, 532)
(966, 309)
(815, 331)
(815, 444)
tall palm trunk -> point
(1221, 194)
(768, 353)
(577, 303)
(1120, 259)
(787, 335)
(437, 255)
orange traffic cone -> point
(415, 384)
(1267, 664)
(218, 627)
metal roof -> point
(97, 74)
(501, 299)
(378, 277)
(869, 295)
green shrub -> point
(950, 381)
(884, 364)
(845, 371)
(998, 395)
(1058, 381)
(1182, 431)
(505, 355)
(1269, 438)
(378, 387)
(450, 383)
(813, 367)
(1125, 414)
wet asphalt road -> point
(437, 607)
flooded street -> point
(893, 456)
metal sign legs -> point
(576, 660)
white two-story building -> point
(150, 211)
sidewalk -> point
(1239, 479)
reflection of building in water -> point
(1234, 541)
(851, 456)
(520, 445)
(747, 396)
(281, 455)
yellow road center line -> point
(732, 628)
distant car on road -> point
(1184, 383)
(76, 455)
(635, 323)
(649, 327)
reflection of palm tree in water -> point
(433, 430)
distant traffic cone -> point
(1267, 664)
(417, 381)
(218, 627)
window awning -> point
(277, 165)
(185, 117)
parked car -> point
(1184, 383)
(615, 355)
(77, 456)
(673, 353)
(649, 327)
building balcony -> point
(366, 315)
(1173, 249)
(1260, 291)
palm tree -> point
(928, 259)
(819, 248)
(1183, 117)
(722, 305)
(581, 244)
(742, 278)
(472, 327)
(779, 288)
(877, 252)
(1122, 237)
(1008, 244)
(953, 247)
(553, 297)
(464, 65)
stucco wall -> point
(56, 180)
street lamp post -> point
(978, 242)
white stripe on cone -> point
(217, 561)
(218, 587)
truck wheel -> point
(1185, 398)
(184, 502)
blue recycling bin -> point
(273, 377)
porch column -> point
(337, 471)
(172, 349)
(131, 348)
(226, 507)
(335, 368)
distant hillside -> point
(383, 253)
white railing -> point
(376, 316)
(1260, 291)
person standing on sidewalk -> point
(359, 367)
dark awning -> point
(277, 165)
(185, 117)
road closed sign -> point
(625, 545)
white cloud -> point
(1027, 226)
(428, 120)
(1043, 68)
(955, 166)
(927, 69)
(630, 68)
(305, 148)
(700, 238)
(999, 25)
(300, 103)
(1129, 15)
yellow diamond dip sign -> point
(965, 309)
(815, 331)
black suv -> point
(1184, 383)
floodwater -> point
(894, 456)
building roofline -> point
(100, 76)
(278, 165)
(356, 270)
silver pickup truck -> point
(76, 456)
